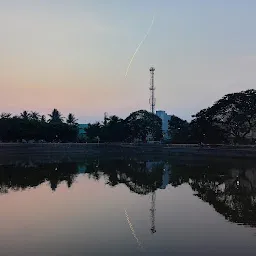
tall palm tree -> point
(34, 115)
(25, 115)
(71, 120)
(55, 117)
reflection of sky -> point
(89, 218)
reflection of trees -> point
(134, 174)
(23, 177)
(231, 192)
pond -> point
(128, 207)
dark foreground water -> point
(128, 207)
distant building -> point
(81, 131)
(82, 169)
(165, 119)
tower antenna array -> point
(152, 100)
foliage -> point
(55, 117)
(178, 130)
(234, 115)
(5, 115)
(25, 115)
(137, 125)
(113, 129)
(204, 129)
(34, 115)
(71, 120)
(29, 126)
(142, 123)
(93, 131)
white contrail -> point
(139, 46)
(133, 231)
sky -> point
(72, 55)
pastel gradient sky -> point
(73, 54)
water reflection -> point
(232, 195)
(25, 176)
(140, 177)
(229, 190)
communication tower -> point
(152, 100)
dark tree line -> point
(139, 125)
(31, 126)
(230, 119)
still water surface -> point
(128, 207)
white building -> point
(165, 119)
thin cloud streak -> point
(140, 44)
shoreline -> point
(51, 152)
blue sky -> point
(73, 55)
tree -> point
(203, 128)
(55, 117)
(178, 130)
(25, 115)
(34, 115)
(71, 120)
(141, 123)
(234, 114)
(93, 130)
(113, 129)
(5, 115)
(30, 126)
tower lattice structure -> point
(152, 100)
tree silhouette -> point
(178, 130)
(34, 116)
(55, 117)
(5, 116)
(71, 120)
(234, 115)
(142, 123)
(25, 115)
